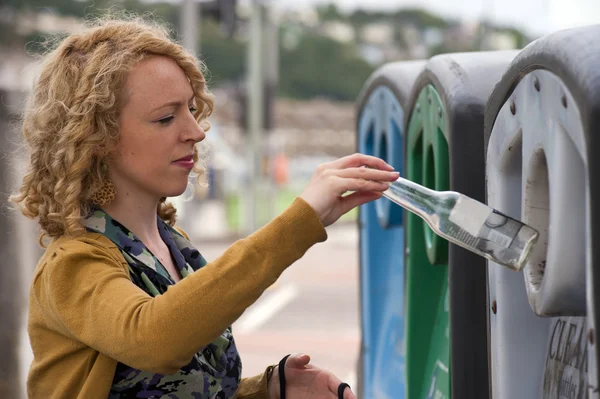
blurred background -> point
(285, 75)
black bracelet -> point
(282, 377)
(341, 389)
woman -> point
(121, 304)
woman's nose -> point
(199, 133)
(193, 131)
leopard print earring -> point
(107, 192)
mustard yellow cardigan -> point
(85, 314)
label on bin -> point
(565, 376)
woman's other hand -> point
(305, 381)
(325, 192)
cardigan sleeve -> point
(85, 288)
(254, 387)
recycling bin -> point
(380, 117)
(446, 293)
(541, 133)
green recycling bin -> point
(446, 292)
(427, 254)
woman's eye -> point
(193, 110)
(165, 121)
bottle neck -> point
(412, 196)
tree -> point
(329, 12)
(419, 17)
(224, 57)
(320, 66)
(85, 8)
(317, 66)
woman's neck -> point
(137, 213)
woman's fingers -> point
(353, 200)
(334, 384)
(358, 160)
(362, 185)
(358, 172)
(367, 174)
(298, 361)
(348, 394)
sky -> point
(536, 17)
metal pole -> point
(271, 69)
(547, 5)
(190, 25)
(486, 18)
(255, 110)
(272, 33)
(12, 308)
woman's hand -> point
(305, 381)
(332, 180)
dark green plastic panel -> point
(427, 317)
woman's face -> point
(157, 131)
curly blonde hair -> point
(70, 122)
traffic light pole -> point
(255, 111)
(190, 25)
(271, 76)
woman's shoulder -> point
(69, 259)
(89, 244)
(181, 231)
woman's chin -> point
(175, 191)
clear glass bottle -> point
(468, 223)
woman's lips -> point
(185, 162)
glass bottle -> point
(468, 223)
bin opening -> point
(537, 213)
